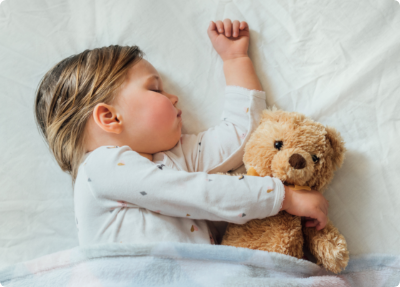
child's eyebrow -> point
(153, 76)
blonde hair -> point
(68, 93)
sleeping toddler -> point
(112, 126)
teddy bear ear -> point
(337, 145)
(270, 114)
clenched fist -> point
(229, 40)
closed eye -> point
(158, 91)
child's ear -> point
(107, 118)
(337, 144)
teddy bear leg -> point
(328, 246)
(280, 233)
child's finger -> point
(311, 223)
(211, 31)
(320, 217)
(319, 226)
(220, 26)
(243, 25)
(326, 210)
(322, 223)
(228, 27)
(235, 29)
(325, 206)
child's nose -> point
(174, 99)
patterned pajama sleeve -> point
(221, 148)
(118, 174)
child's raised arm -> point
(221, 148)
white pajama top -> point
(123, 197)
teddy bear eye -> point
(278, 145)
(315, 158)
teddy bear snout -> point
(293, 166)
(297, 161)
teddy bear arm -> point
(328, 246)
(280, 233)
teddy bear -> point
(304, 154)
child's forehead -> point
(143, 71)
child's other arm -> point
(231, 41)
(221, 148)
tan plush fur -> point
(284, 233)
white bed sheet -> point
(335, 61)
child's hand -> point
(234, 43)
(311, 204)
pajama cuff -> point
(280, 196)
(245, 91)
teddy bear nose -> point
(297, 161)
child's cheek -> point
(162, 114)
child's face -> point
(150, 120)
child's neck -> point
(146, 155)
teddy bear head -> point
(295, 149)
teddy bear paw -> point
(337, 258)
